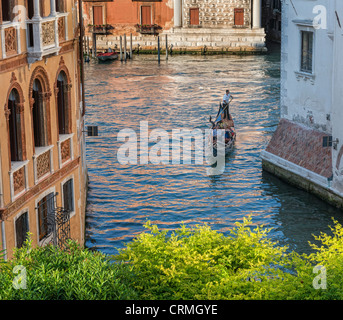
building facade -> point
(306, 149)
(219, 25)
(271, 19)
(42, 166)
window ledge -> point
(305, 76)
(64, 137)
(16, 165)
(9, 24)
(303, 22)
(41, 150)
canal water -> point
(182, 93)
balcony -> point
(44, 36)
(65, 149)
(18, 178)
(100, 29)
(42, 163)
(10, 39)
(153, 29)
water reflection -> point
(182, 93)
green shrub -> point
(54, 274)
(200, 263)
(188, 263)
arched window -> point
(14, 122)
(63, 103)
(39, 116)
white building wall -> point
(311, 102)
(306, 97)
(337, 97)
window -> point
(97, 15)
(62, 104)
(146, 15)
(306, 51)
(6, 10)
(239, 17)
(39, 116)
(21, 229)
(15, 127)
(60, 5)
(46, 215)
(68, 196)
(194, 16)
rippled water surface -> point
(182, 93)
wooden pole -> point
(94, 45)
(166, 47)
(88, 46)
(158, 49)
(121, 51)
(125, 46)
(131, 46)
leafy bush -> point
(188, 263)
(54, 274)
(200, 263)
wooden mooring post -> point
(121, 46)
(166, 47)
(130, 45)
(158, 49)
(125, 53)
(94, 46)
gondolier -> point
(226, 102)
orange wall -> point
(127, 12)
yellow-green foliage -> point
(54, 274)
(200, 263)
(188, 263)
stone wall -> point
(217, 13)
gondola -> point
(107, 56)
(225, 122)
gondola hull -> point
(102, 57)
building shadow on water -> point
(300, 215)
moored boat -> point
(107, 56)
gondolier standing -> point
(226, 101)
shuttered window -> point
(239, 17)
(146, 15)
(97, 15)
(21, 229)
(194, 16)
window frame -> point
(15, 128)
(194, 9)
(27, 222)
(302, 68)
(235, 12)
(70, 180)
(52, 190)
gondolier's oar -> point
(227, 106)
